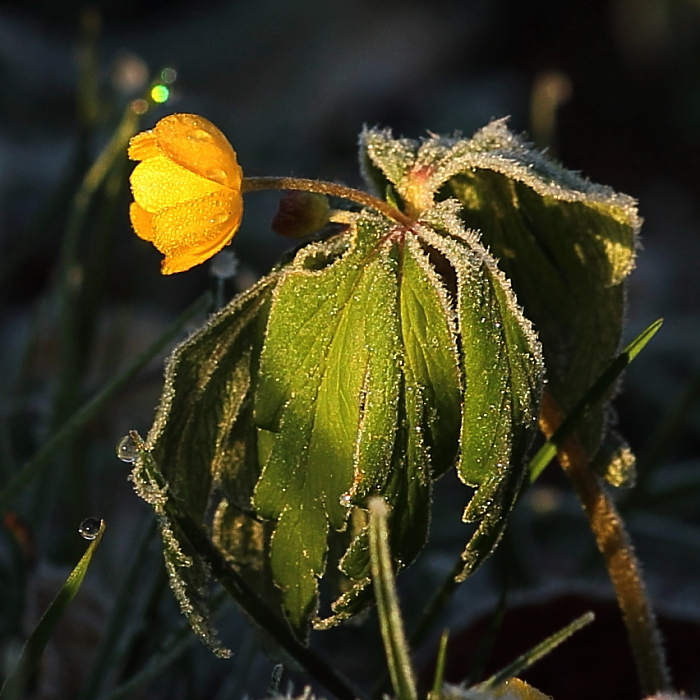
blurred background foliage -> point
(611, 87)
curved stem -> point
(620, 560)
(250, 184)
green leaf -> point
(328, 392)
(187, 545)
(16, 681)
(565, 244)
(383, 159)
(197, 437)
(359, 393)
(429, 416)
(188, 572)
(503, 375)
(429, 335)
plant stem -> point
(250, 184)
(615, 546)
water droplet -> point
(345, 500)
(217, 175)
(200, 135)
(89, 528)
(126, 449)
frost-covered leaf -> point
(201, 434)
(325, 407)
(565, 244)
(358, 379)
(503, 373)
(203, 450)
(373, 361)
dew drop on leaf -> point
(89, 528)
(126, 449)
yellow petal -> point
(196, 144)
(158, 183)
(141, 221)
(193, 231)
(143, 146)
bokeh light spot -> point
(160, 93)
(168, 75)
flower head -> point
(187, 190)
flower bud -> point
(300, 214)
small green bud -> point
(300, 214)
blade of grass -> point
(68, 275)
(548, 451)
(526, 660)
(89, 410)
(439, 677)
(390, 623)
(15, 683)
(120, 615)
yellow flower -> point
(187, 190)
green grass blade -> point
(87, 412)
(124, 608)
(526, 660)
(606, 380)
(439, 677)
(67, 291)
(14, 685)
(391, 625)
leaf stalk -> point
(332, 189)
